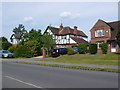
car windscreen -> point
(5, 52)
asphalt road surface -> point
(16, 75)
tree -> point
(118, 37)
(48, 42)
(20, 29)
(4, 43)
(32, 35)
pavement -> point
(33, 60)
(17, 75)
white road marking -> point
(23, 82)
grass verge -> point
(99, 59)
(75, 67)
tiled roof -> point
(114, 29)
(65, 31)
(79, 40)
(17, 36)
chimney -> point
(61, 27)
(75, 30)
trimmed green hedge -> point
(82, 48)
(93, 48)
(104, 48)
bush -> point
(34, 47)
(22, 51)
(104, 48)
(70, 51)
(93, 48)
(82, 48)
(12, 49)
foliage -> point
(12, 49)
(93, 48)
(34, 47)
(118, 37)
(22, 51)
(4, 43)
(48, 42)
(20, 29)
(82, 47)
(104, 48)
(70, 51)
(32, 35)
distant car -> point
(5, 54)
(58, 51)
(75, 49)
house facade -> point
(15, 38)
(66, 36)
(105, 32)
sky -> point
(39, 15)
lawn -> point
(100, 59)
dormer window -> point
(99, 33)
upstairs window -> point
(71, 35)
(99, 33)
(63, 37)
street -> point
(17, 75)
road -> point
(16, 75)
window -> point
(71, 35)
(99, 33)
(99, 44)
(63, 37)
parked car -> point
(5, 54)
(58, 51)
(75, 49)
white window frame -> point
(98, 44)
(97, 31)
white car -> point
(5, 54)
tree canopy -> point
(20, 29)
(4, 43)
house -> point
(66, 36)
(16, 38)
(105, 32)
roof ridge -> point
(113, 22)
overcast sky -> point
(39, 15)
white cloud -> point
(28, 19)
(69, 15)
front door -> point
(113, 47)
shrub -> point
(12, 49)
(104, 48)
(34, 47)
(82, 47)
(93, 48)
(70, 51)
(22, 51)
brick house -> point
(105, 32)
(66, 36)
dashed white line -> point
(23, 82)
